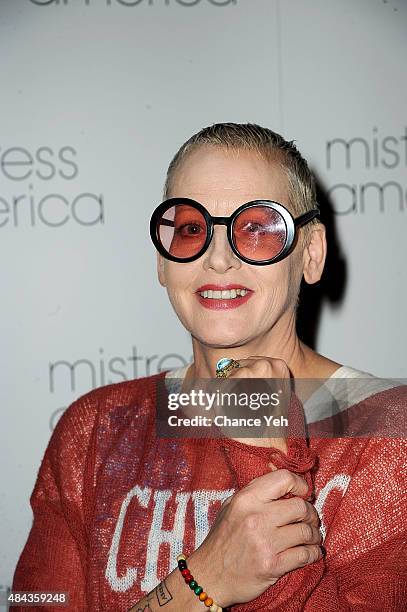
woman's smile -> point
(223, 297)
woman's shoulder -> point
(113, 403)
(91, 424)
(117, 394)
(345, 371)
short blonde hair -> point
(267, 144)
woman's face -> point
(222, 180)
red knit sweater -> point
(113, 506)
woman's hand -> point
(257, 375)
(259, 366)
(257, 538)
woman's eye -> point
(189, 229)
(253, 228)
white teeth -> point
(225, 294)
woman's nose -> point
(219, 255)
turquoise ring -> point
(224, 367)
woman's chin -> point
(222, 339)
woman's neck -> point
(280, 343)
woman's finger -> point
(297, 534)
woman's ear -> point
(160, 269)
(314, 254)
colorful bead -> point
(194, 586)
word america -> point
(207, 400)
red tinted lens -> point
(182, 231)
(259, 233)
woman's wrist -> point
(172, 594)
(204, 575)
(203, 588)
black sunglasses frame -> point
(291, 224)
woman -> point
(114, 505)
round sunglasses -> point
(260, 232)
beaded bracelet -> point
(194, 586)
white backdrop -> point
(96, 97)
